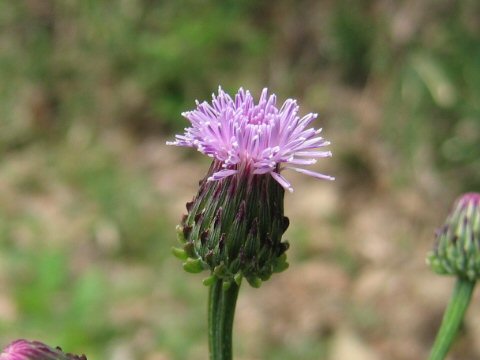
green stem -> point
(213, 301)
(452, 318)
(221, 311)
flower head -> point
(245, 137)
(235, 223)
(35, 350)
(457, 244)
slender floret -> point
(35, 350)
(250, 138)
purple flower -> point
(250, 138)
(35, 350)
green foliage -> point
(151, 59)
(434, 104)
(352, 35)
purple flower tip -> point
(35, 350)
(470, 198)
(251, 138)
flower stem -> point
(221, 311)
(452, 318)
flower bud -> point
(457, 244)
(35, 350)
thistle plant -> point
(234, 225)
(35, 350)
(457, 252)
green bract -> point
(234, 228)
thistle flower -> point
(247, 138)
(235, 223)
(457, 244)
(35, 350)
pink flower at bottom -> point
(35, 350)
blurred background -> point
(90, 195)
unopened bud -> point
(457, 244)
